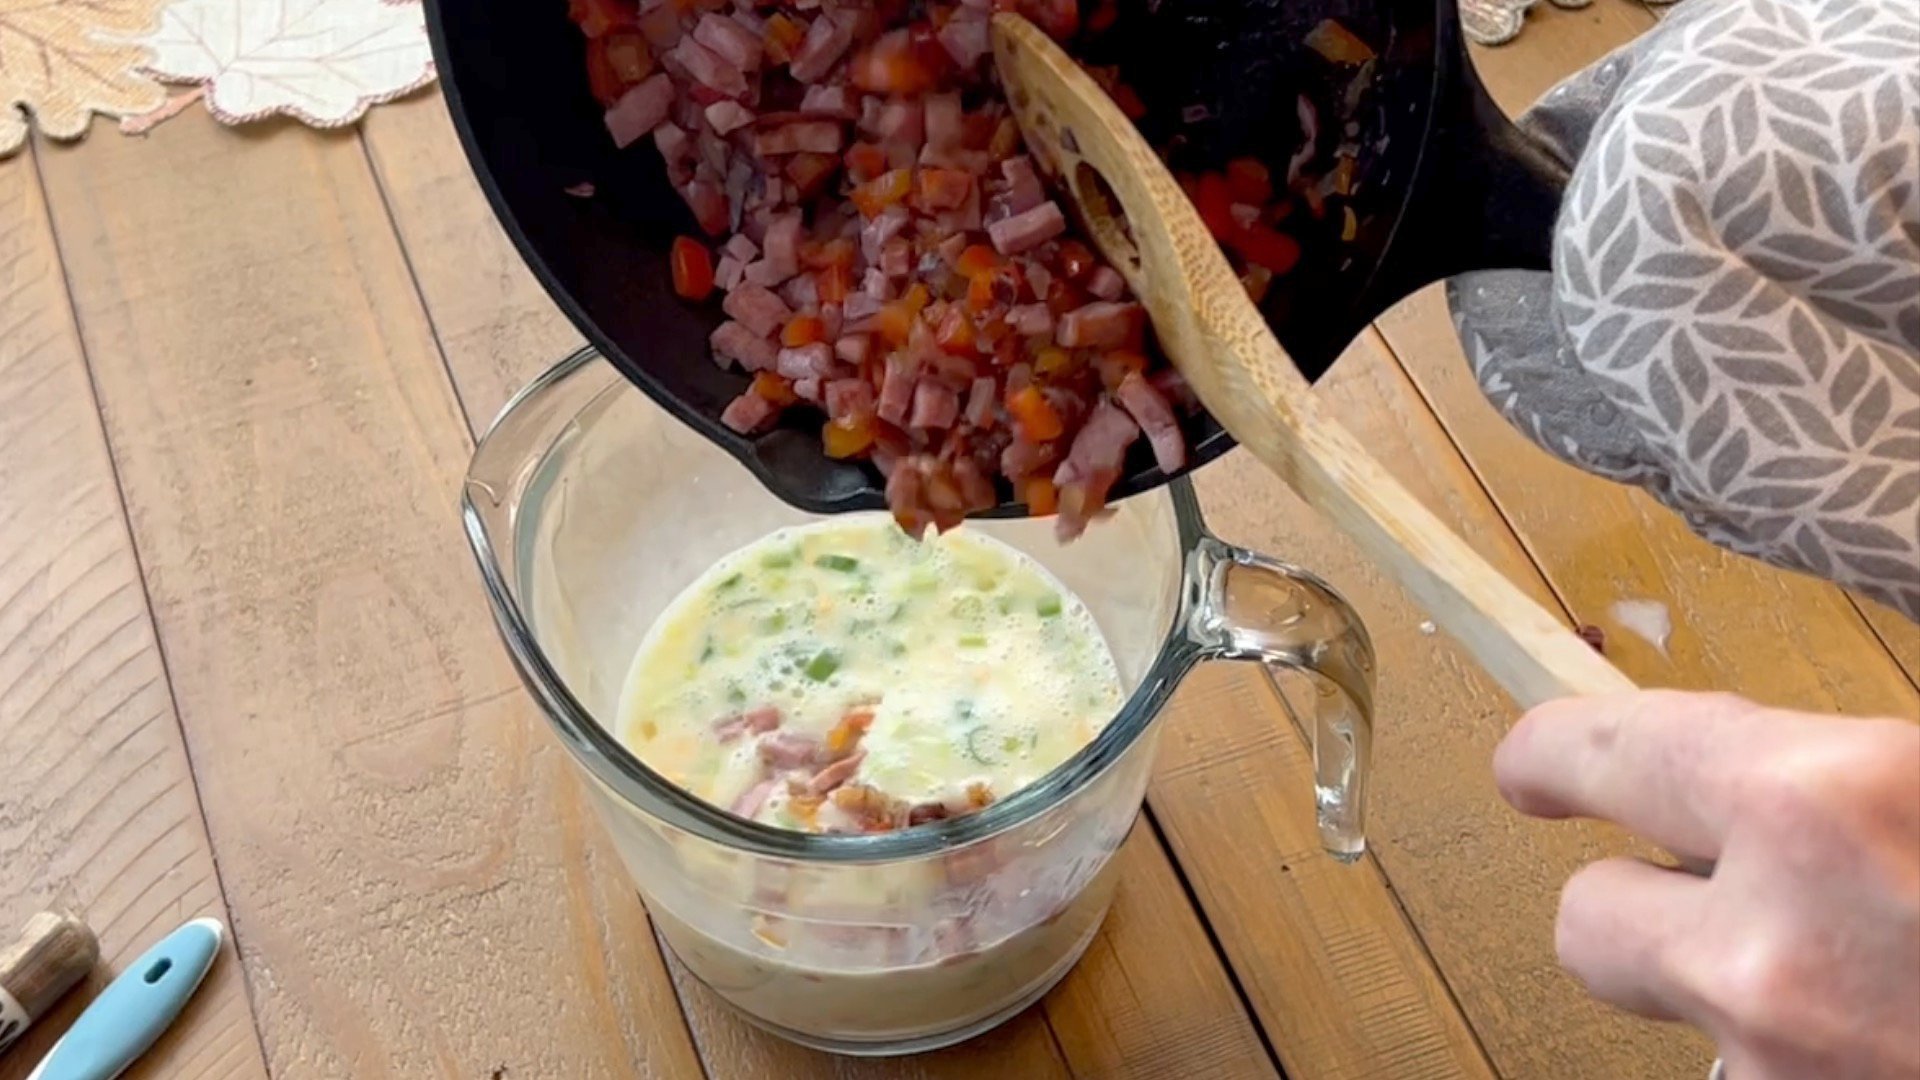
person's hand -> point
(1800, 953)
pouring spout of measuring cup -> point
(1313, 652)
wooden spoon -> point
(1142, 222)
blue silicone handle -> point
(130, 1014)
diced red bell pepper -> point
(1262, 246)
(596, 17)
(1249, 180)
(692, 267)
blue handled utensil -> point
(130, 1014)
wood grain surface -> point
(416, 887)
(245, 670)
(98, 811)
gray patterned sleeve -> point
(1733, 317)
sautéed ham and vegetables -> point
(888, 256)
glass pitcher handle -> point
(1247, 606)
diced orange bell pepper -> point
(774, 388)
(803, 330)
(847, 436)
(1036, 416)
(1041, 497)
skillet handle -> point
(1485, 198)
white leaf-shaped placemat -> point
(62, 62)
(320, 61)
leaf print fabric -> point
(1733, 317)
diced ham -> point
(902, 124)
(727, 116)
(674, 144)
(748, 413)
(1173, 386)
(736, 342)
(1101, 325)
(782, 243)
(966, 40)
(701, 63)
(789, 749)
(805, 136)
(1027, 230)
(934, 406)
(896, 388)
(836, 774)
(858, 308)
(1022, 458)
(752, 722)
(943, 122)
(1106, 283)
(980, 402)
(754, 110)
(884, 227)
(729, 41)
(709, 205)
(976, 491)
(896, 257)
(765, 273)
(1033, 320)
(753, 799)
(848, 397)
(1039, 278)
(826, 41)
(1155, 416)
(813, 361)
(1024, 190)
(801, 292)
(757, 308)
(640, 109)
(829, 100)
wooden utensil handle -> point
(54, 951)
(1523, 646)
(1136, 213)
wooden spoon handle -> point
(1142, 222)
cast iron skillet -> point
(1444, 185)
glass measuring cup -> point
(589, 509)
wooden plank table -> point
(245, 670)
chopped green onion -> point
(842, 563)
(735, 695)
(774, 623)
(822, 666)
(1049, 606)
(973, 641)
(776, 560)
(730, 581)
(977, 748)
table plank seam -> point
(72, 313)
(1152, 821)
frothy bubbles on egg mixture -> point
(955, 670)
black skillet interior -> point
(1443, 184)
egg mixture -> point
(843, 677)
